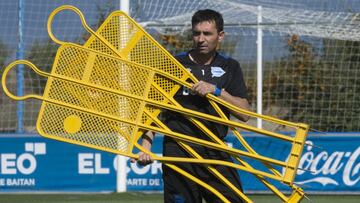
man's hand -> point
(144, 159)
(202, 88)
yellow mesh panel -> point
(94, 130)
(117, 31)
(90, 98)
(87, 68)
(145, 52)
(155, 95)
(134, 44)
(72, 63)
(111, 73)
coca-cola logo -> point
(325, 166)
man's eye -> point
(196, 33)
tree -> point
(42, 54)
(345, 85)
(103, 10)
(4, 54)
(313, 87)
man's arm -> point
(238, 102)
(146, 142)
(202, 88)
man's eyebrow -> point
(204, 32)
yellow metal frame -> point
(93, 43)
(97, 39)
(161, 83)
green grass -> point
(133, 197)
(77, 198)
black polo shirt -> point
(225, 73)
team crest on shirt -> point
(217, 71)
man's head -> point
(207, 28)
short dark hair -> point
(208, 15)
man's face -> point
(206, 37)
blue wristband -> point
(217, 91)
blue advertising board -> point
(35, 163)
(32, 163)
(334, 167)
(329, 163)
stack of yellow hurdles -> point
(106, 93)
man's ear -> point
(221, 35)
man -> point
(218, 75)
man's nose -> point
(201, 38)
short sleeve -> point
(236, 84)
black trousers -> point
(178, 188)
